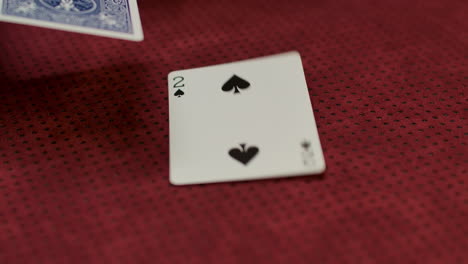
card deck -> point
(110, 18)
(242, 121)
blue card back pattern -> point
(110, 15)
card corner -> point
(139, 38)
(322, 168)
(175, 182)
(171, 73)
(295, 53)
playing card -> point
(110, 18)
(242, 121)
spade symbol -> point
(305, 144)
(242, 154)
(179, 93)
(235, 83)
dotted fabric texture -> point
(84, 138)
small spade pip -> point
(179, 93)
(307, 154)
(243, 155)
(235, 83)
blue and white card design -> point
(110, 18)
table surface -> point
(84, 138)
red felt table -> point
(84, 138)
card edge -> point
(260, 178)
(291, 52)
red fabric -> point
(84, 138)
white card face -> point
(242, 121)
(110, 18)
